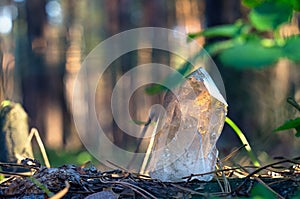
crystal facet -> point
(186, 143)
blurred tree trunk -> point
(219, 12)
(70, 40)
(33, 74)
(124, 15)
(42, 76)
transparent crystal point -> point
(193, 121)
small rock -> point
(102, 195)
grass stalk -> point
(244, 140)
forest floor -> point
(277, 180)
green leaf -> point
(5, 103)
(296, 4)
(260, 191)
(41, 186)
(229, 30)
(290, 124)
(271, 14)
(251, 54)
(217, 47)
(291, 48)
(154, 89)
(252, 3)
(169, 82)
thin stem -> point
(41, 186)
(293, 102)
(244, 140)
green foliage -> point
(269, 15)
(296, 4)
(172, 80)
(244, 44)
(250, 53)
(230, 30)
(291, 48)
(293, 123)
(58, 158)
(255, 43)
(297, 194)
(252, 3)
(259, 191)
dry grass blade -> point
(15, 174)
(149, 149)
(294, 161)
(226, 183)
(236, 170)
(139, 143)
(34, 132)
(6, 179)
(188, 190)
(277, 182)
(139, 190)
(23, 174)
(62, 192)
(265, 185)
(233, 153)
(86, 181)
(85, 164)
(142, 176)
(208, 173)
(220, 185)
(135, 188)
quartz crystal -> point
(193, 121)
